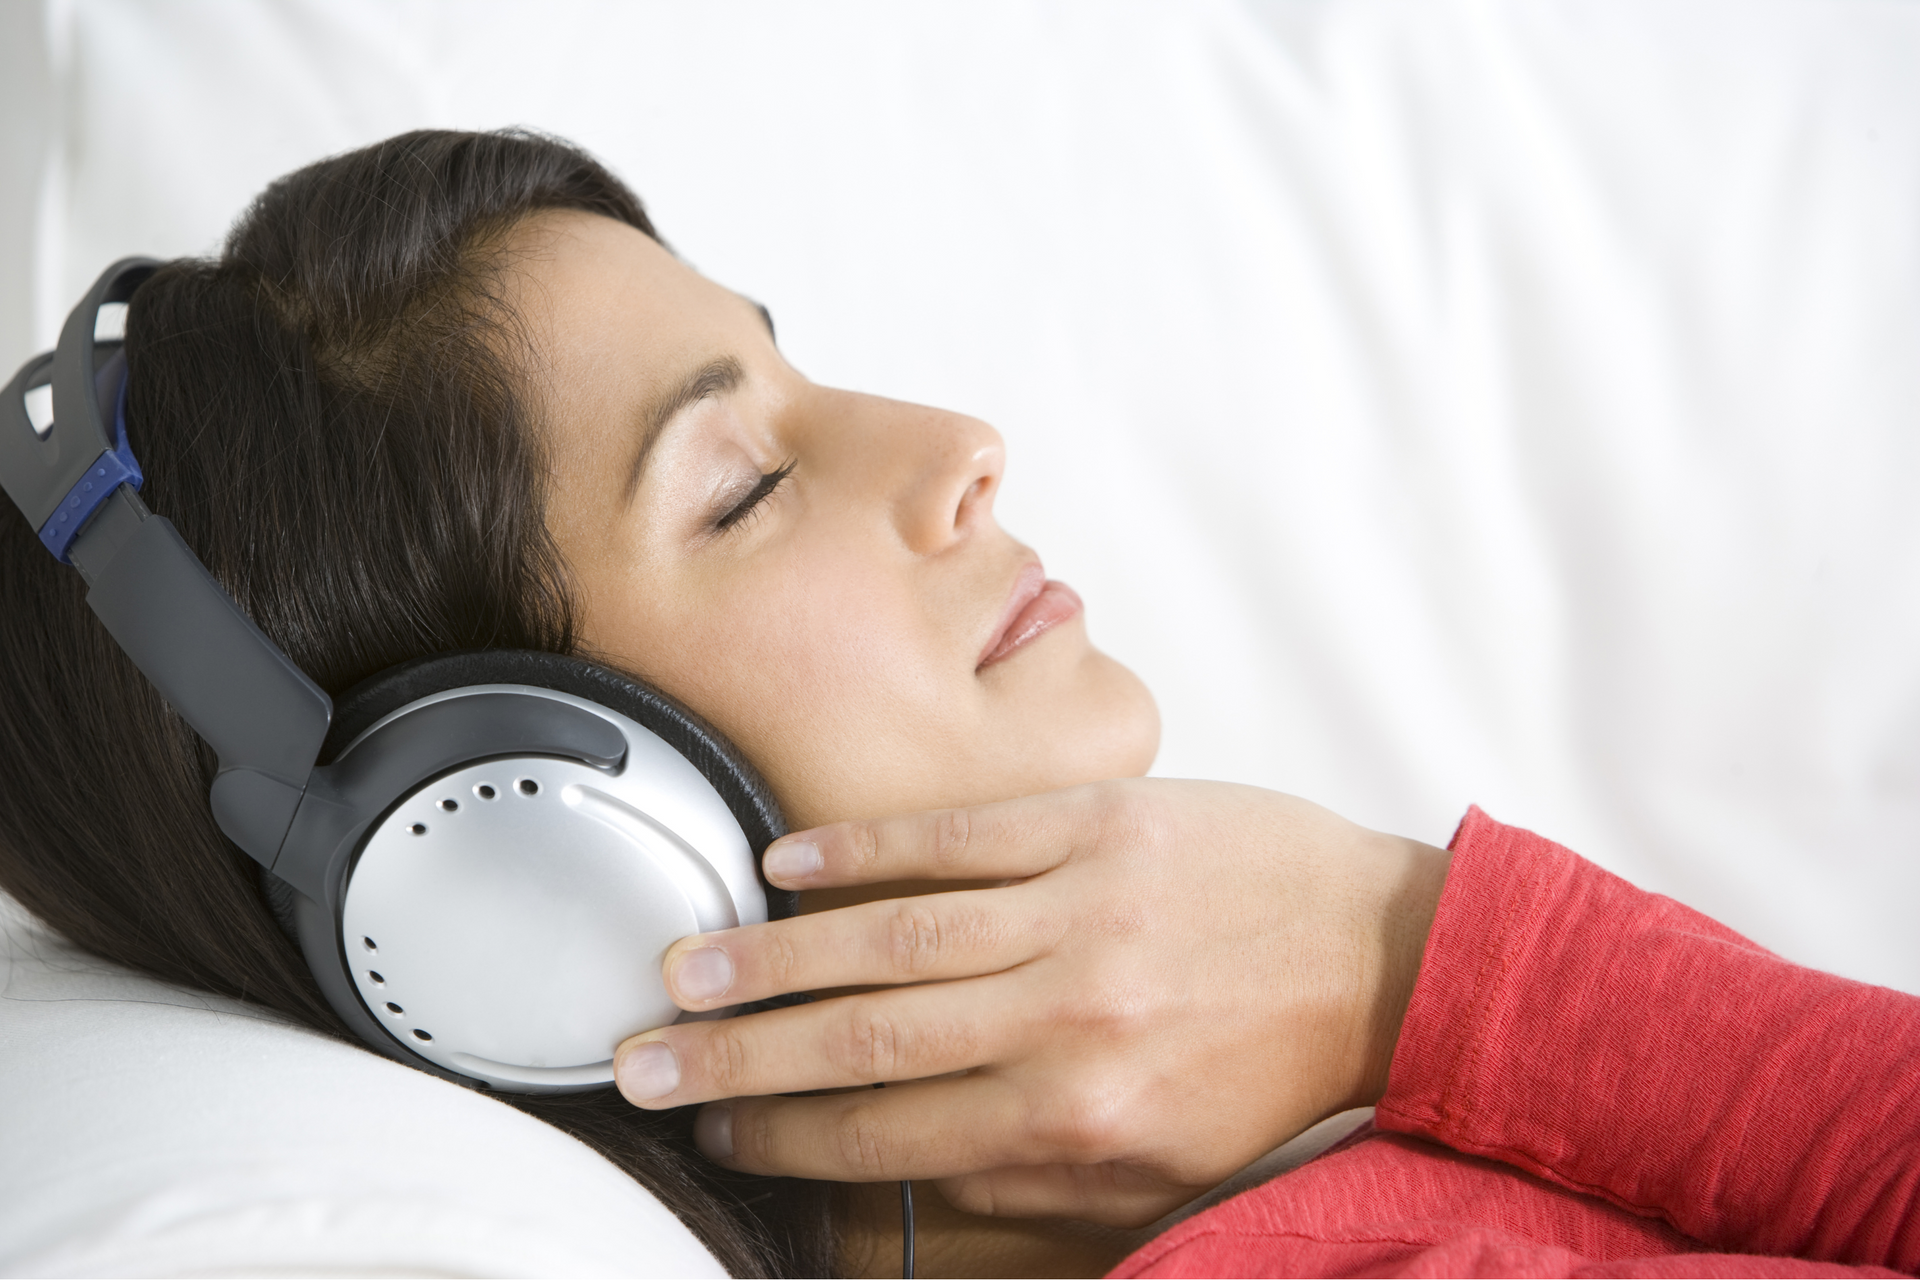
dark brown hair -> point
(331, 414)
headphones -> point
(487, 869)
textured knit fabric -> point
(1597, 1081)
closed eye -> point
(760, 493)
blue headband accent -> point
(115, 467)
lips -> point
(1036, 606)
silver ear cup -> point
(506, 921)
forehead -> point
(610, 312)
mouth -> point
(1037, 605)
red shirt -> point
(1597, 1081)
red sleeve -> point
(1616, 1043)
(1623, 1088)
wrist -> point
(1410, 900)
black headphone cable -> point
(906, 1221)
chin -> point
(1100, 723)
(1115, 734)
(1136, 731)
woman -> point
(451, 392)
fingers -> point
(1113, 1195)
(1011, 839)
(904, 1033)
(943, 1130)
(927, 1130)
(923, 939)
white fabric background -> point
(1436, 401)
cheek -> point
(821, 673)
(803, 637)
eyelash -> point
(761, 492)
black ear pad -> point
(746, 794)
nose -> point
(951, 472)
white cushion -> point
(151, 1131)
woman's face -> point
(815, 571)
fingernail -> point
(790, 860)
(647, 1071)
(703, 974)
(713, 1131)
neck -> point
(947, 1242)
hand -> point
(1178, 977)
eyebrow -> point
(716, 377)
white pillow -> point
(156, 1131)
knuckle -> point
(1088, 1122)
(952, 832)
(1127, 814)
(868, 1044)
(780, 958)
(1119, 919)
(914, 939)
(862, 1141)
(862, 845)
(725, 1060)
(1135, 1013)
(1118, 1008)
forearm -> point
(1621, 1045)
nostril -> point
(977, 496)
(973, 458)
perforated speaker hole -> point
(528, 787)
(448, 806)
(394, 1008)
(376, 979)
(368, 944)
(485, 792)
(418, 1034)
(418, 828)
